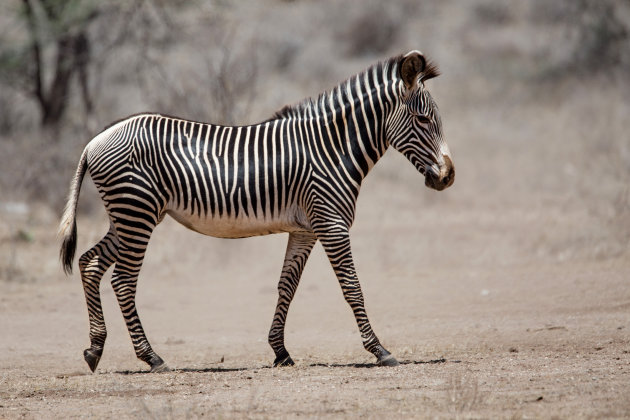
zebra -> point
(298, 172)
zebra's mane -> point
(299, 109)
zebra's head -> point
(414, 127)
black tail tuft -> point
(68, 248)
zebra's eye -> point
(422, 119)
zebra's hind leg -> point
(133, 234)
(335, 239)
(93, 265)
(298, 249)
(124, 281)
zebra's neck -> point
(349, 120)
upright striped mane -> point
(309, 104)
(300, 108)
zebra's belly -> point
(242, 226)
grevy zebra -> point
(299, 172)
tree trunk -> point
(73, 53)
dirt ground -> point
(485, 322)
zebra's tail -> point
(68, 225)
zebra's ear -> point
(411, 65)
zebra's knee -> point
(85, 259)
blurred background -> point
(519, 271)
(534, 97)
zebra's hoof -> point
(92, 358)
(157, 364)
(283, 361)
(385, 358)
(388, 360)
(161, 368)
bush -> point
(598, 32)
(372, 31)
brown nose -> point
(444, 179)
(449, 178)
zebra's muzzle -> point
(442, 179)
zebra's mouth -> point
(433, 181)
(439, 179)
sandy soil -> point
(484, 324)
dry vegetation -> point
(514, 282)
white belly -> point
(242, 226)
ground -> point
(485, 337)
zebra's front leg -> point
(298, 249)
(335, 239)
(93, 264)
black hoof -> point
(160, 368)
(287, 361)
(157, 364)
(385, 358)
(283, 359)
(388, 360)
(92, 358)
